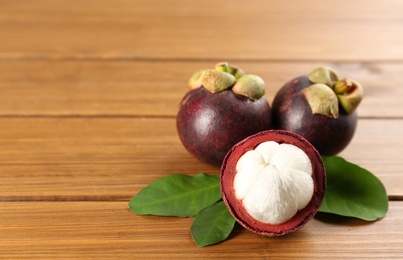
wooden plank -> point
(290, 30)
(88, 158)
(155, 88)
(113, 158)
(101, 230)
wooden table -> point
(89, 91)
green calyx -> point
(323, 75)
(322, 100)
(332, 92)
(251, 86)
(195, 80)
(350, 93)
(224, 77)
(216, 81)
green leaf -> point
(177, 195)
(353, 191)
(212, 225)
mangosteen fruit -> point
(223, 106)
(320, 107)
(273, 182)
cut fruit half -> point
(273, 182)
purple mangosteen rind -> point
(210, 124)
(236, 207)
(212, 119)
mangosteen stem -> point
(233, 70)
(224, 67)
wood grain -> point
(155, 88)
(113, 158)
(49, 230)
(182, 29)
(89, 91)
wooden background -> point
(89, 91)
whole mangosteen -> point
(223, 107)
(319, 107)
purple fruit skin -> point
(210, 124)
(292, 112)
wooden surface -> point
(89, 91)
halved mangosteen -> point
(273, 182)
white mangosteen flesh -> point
(274, 181)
